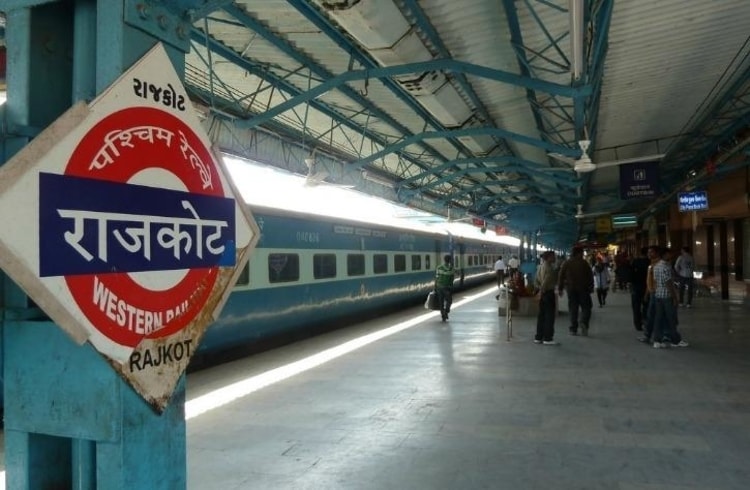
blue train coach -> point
(309, 271)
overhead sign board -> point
(692, 201)
(639, 180)
(603, 224)
(121, 223)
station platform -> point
(431, 405)
(409, 402)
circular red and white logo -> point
(146, 147)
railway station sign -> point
(639, 180)
(692, 201)
(121, 223)
(603, 224)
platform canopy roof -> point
(456, 107)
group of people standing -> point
(656, 287)
(656, 294)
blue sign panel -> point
(90, 226)
(639, 180)
(692, 201)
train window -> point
(380, 263)
(283, 267)
(399, 263)
(355, 264)
(416, 262)
(324, 266)
(244, 278)
(471, 260)
(427, 262)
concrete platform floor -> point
(457, 406)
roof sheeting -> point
(663, 68)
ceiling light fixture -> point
(575, 8)
(376, 179)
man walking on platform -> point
(638, 272)
(654, 254)
(546, 278)
(500, 273)
(665, 300)
(513, 265)
(601, 281)
(684, 266)
(578, 282)
(444, 285)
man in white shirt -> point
(513, 265)
(500, 273)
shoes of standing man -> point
(681, 343)
(550, 342)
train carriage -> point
(309, 271)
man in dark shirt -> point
(638, 273)
(546, 278)
(578, 282)
(444, 285)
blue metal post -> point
(70, 420)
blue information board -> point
(693, 201)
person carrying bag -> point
(444, 285)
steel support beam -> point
(447, 65)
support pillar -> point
(739, 249)
(724, 259)
(70, 420)
(710, 249)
